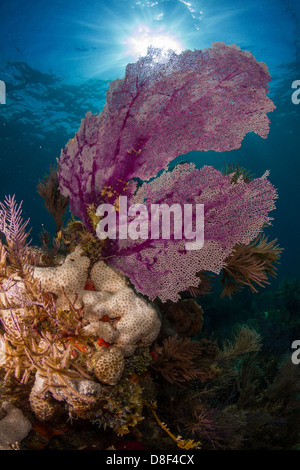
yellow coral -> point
(93, 218)
(186, 444)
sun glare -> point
(138, 43)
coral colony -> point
(85, 314)
(201, 100)
(139, 227)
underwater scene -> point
(149, 226)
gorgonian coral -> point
(16, 236)
(233, 213)
(180, 360)
(176, 360)
(168, 105)
(55, 203)
(165, 105)
(250, 265)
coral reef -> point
(139, 362)
(113, 310)
(75, 357)
(123, 408)
(52, 320)
(107, 365)
(104, 333)
(252, 403)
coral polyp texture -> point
(129, 320)
(66, 281)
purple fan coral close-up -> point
(233, 213)
(166, 105)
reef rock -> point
(14, 427)
(81, 396)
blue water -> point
(57, 58)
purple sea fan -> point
(233, 213)
(166, 105)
